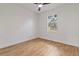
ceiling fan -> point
(40, 5)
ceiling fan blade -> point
(36, 3)
(41, 3)
(45, 3)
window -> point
(51, 23)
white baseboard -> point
(43, 37)
(33, 37)
(73, 44)
(14, 43)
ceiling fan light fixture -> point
(40, 5)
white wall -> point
(17, 24)
(68, 24)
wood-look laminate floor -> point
(40, 47)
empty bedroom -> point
(39, 29)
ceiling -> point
(34, 7)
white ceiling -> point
(34, 7)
